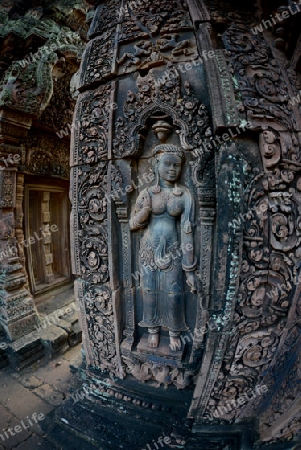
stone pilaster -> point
(18, 314)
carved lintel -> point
(14, 126)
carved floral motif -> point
(101, 328)
(46, 156)
(189, 114)
(90, 223)
(265, 95)
(268, 276)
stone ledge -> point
(59, 331)
(36, 345)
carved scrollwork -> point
(92, 130)
(264, 92)
(100, 317)
(268, 278)
(46, 156)
(188, 113)
(93, 235)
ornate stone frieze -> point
(163, 93)
(7, 188)
(264, 91)
(46, 155)
(100, 192)
(140, 108)
(91, 127)
(98, 58)
(136, 39)
(106, 16)
(89, 226)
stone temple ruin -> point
(183, 120)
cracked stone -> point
(50, 395)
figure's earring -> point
(156, 189)
(177, 191)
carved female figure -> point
(166, 210)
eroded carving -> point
(164, 254)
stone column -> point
(18, 314)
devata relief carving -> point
(165, 252)
(187, 234)
(155, 185)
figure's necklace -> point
(168, 191)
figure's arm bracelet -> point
(190, 268)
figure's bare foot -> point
(175, 343)
(153, 340)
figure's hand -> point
(191, 281)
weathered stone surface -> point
(232, 117)
(34, 442)
(202, 78)
(28, 381)
(36, 105)
(50, 395)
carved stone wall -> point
(226, 92)
(40, 52)
(232, 113)
(264, 307)
(111, 149)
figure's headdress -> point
(163, 149)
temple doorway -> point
(47, 242)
